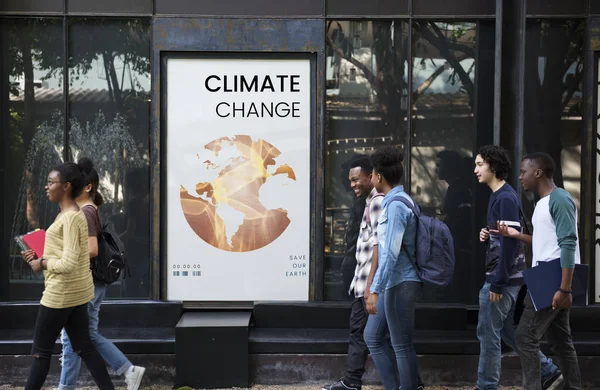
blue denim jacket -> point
(397, 233)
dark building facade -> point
(436, 78)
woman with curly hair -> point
(396, 286)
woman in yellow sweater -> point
(67, 281)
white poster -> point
(238, 179)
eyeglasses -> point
(50, 182)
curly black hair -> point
(497, 158)
(387, 161)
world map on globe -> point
(226, 210)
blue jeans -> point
(71, 362)
(496, 323)
(398, 316)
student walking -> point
(505, 260)
(89, 201)
(366, 259)
(68, 285)
(396, 285)
(554, 236)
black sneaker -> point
(553, 382)
(342, 385)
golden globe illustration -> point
(237, 186)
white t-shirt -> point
(555, 228)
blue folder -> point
(543, 281)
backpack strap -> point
(415, 210)
(99, 219)
(412, 207)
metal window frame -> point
(124, 7)
(557, 8)
(589, 245)
(37, 7)
(133, 8)
(383, 9)
(387, 10)
(78, 7)
(4, 120)
(289, 9)
(444, 13)
(409, 110)
(66, 105)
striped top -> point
(68, 279)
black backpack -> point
(110, 263)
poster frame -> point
(313, 156)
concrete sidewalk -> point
(291, 387)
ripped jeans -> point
(71, 363)
(48, 324)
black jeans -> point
(555, 324)
(357, 350)
(48, 325)
(347, 277)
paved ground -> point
(296, 387)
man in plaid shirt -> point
(366, 259)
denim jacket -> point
(397, 232)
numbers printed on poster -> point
(184, 267)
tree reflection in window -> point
(109, 96)
(553, 97)
(367, 105)
(33, 65)
(109, 102)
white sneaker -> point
(133, 377)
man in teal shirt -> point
(554, 236)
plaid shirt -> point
(367, 239)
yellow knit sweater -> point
(68, 279)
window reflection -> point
(443, 141)
(109, 101)
(109, 98)
(553, 97)
(32, 127)
(367, 94)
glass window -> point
(109, 100)
(553, 98)
(367, 100)
(31, 119)
(444, 141)
(367, 93)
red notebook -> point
(36, 240)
